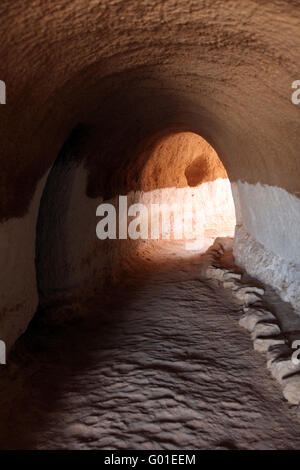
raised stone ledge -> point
(266, 332)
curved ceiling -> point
(128, 69)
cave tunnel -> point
(150, 224)
(176, 172)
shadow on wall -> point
(204, 169)
(55, 226)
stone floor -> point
(163, 364)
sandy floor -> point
(166, 367)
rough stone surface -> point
(263, 344)
(265, 329)
(253, 316)
(283, 368)
(154, 373)
(291, 389)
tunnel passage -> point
(129, 70)
(177, 172)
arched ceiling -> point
(128, 69)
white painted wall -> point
(212, 202)
(267, 242)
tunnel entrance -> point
(176, 190)
(177, 173)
